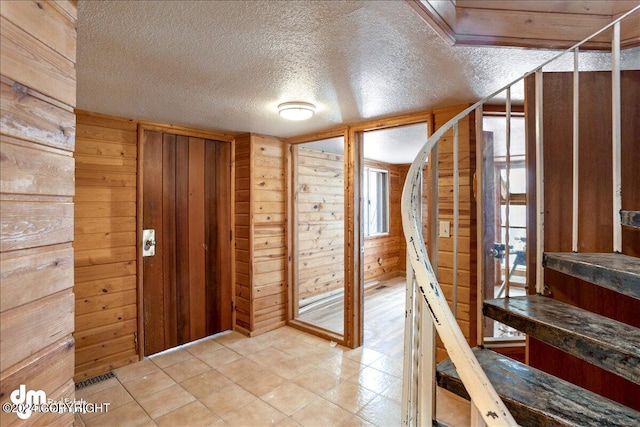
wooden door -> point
(186, 200)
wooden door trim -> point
(291, 238)
(186, 131)
(331, 133)
(139, 225)
(354, 256)
(143, 127)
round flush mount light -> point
(296, 110)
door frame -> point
(346, 338)
(356, 135)
(354, 243)
(195, 133)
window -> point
(376, 201)
(502, 232)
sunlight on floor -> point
(284, 377)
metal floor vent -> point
(94, 380)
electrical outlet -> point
(445, 229)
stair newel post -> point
(539, 184)
(427, 400)
(616, 143)
(576, 130)
(427, 371)
(419, 371)
(410, 366)
(507, 196)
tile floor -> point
(285, 378)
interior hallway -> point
(285, 377)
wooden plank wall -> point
(105, 243)
(385, 256)
(242, 231)
(467, 292)
(260, 229)
(37, 139)
(319, 191)
(269, 228)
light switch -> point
(445, 229)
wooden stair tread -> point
(597, 339)
(630, 218)
(618, 272)
(536, 398)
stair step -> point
(630, 218)
(599, 340)
(618, 272)
(536, 398)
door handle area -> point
(148, 242)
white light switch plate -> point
(445, 229)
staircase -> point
(503, 391)
(536, 398)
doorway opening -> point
(504, 211)
(387, 155)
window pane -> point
(517, 179)
(376, 201)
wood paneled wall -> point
(105, 243)
(38, 83)
(385, 256)
(467, 282)
(595, 205)
(260, 233)
(318, 182)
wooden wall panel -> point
(27, 60)
(243, 231)
(30, 275)
(385, 256)
(268, 197)
(467, 292)
(28, 224)
(50, 123)
(260, 233)
(105, 243)
(37, 139)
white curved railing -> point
(483, 395)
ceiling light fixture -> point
(296, 110)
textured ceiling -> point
(226, 65)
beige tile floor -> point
(285, 378)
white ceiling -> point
(398, 145)
(226, 65)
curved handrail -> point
(473, 377)
(481, 391)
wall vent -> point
(94, 380)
